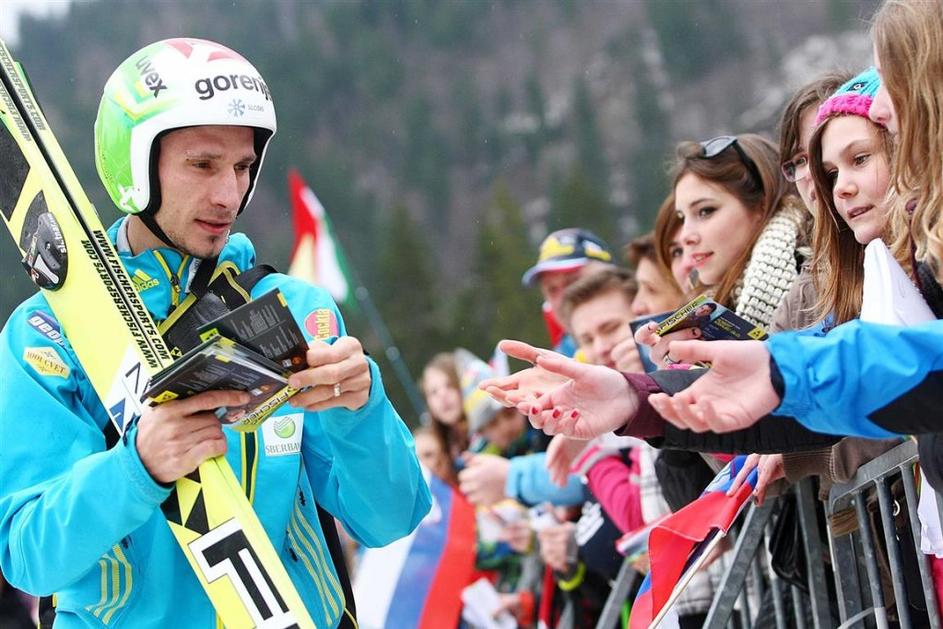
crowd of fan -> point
(774, 233)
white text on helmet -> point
(207, 87)
(150, 76)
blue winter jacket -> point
(84, 523)
(863, 379)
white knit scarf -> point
(772, 267)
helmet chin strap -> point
(206, 267)
(150, 221)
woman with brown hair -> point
(443, 393)
(658, 287)
(741, 227)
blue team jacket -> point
(85, 523)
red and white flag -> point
(316, 256)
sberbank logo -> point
(285, 427)
(282, 434)
(142, 281)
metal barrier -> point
(869, 570)
(879, 476)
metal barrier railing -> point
(878, 476)
(623, 584)
(865, 561)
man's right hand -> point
(175, 437)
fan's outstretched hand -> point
(734, 394)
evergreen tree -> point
(696, 36)
(647, 160)
(495, 305)
(471, 121)
(577, 202)
(406, 297)
(426, 159)
(590, 151)
(535, 103)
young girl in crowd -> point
(796, 311)
(658, 286)
(443, 393)
(669, 252)
(850, 164)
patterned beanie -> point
(854, 97)
(480, 408)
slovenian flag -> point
(677, 543)
(316, 256)
(417, 581)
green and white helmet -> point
(168, 85)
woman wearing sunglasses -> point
(741, 226)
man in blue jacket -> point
(180, 136)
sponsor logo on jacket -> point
(47, 326)
(282, 434)
(46, 362)
(142, 281)
(321, 324)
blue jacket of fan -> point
(85, 523)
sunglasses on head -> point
(715, 146)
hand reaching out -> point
(769, 470)
(561, 453)
(734, 394)
(587, 400)
(645, 335)
(527, 384)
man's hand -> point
(175, 437)
(734, 394)
(589, 401)
(483, 479)
(338, 375)
(555, 545)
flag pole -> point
(391, 351)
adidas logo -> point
(142, 281)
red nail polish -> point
(556, 413)
(574, 414)
(534, 410)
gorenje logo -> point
(150, 76)
(208, 87)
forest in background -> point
(446, 138)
